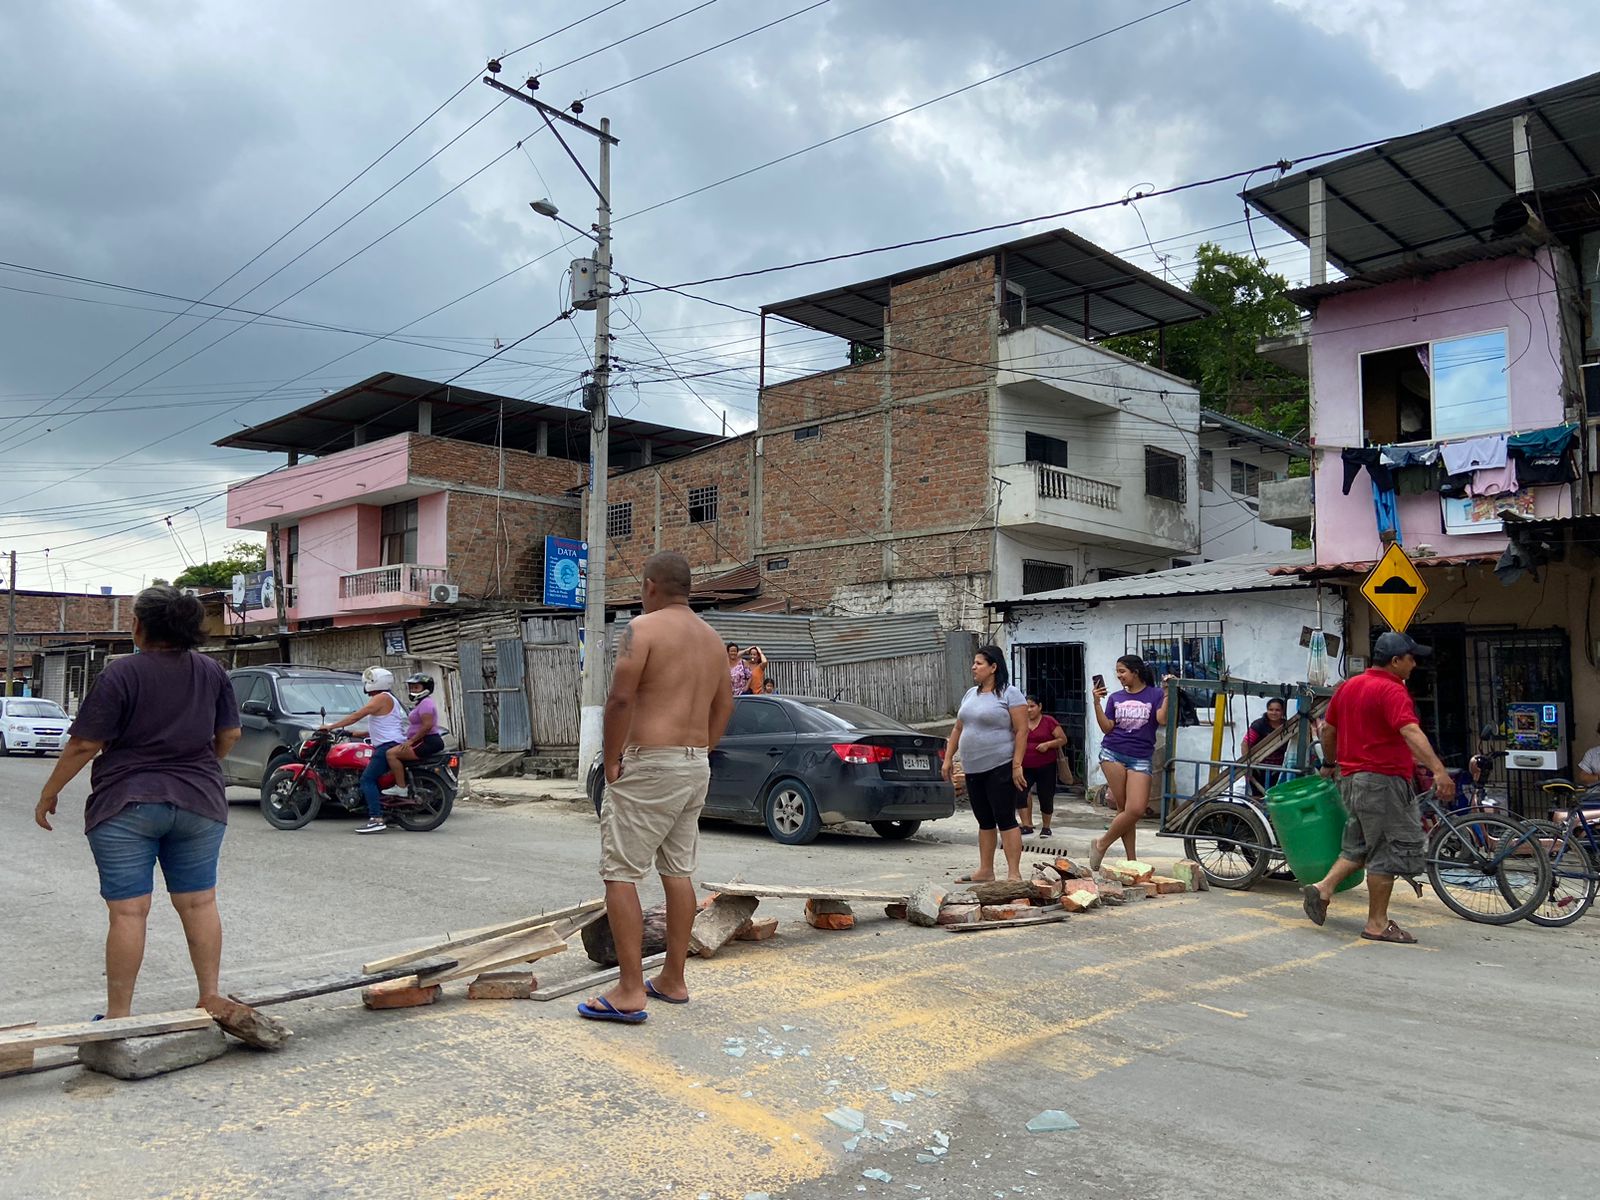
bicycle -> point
(1485, 866)
(1575, 878)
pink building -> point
(414, 486)
(1450, 411)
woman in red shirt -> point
(1045, 740)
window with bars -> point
(777, 564)
(1041, 448)
(619, 519)
(1164, 477)
(399, 527)
(807, 433)
(1206, 471)
(1044, 576)
(1187, 649)
(703, 505)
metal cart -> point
(1216, 804)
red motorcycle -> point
(327, 770)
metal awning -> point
(1435, 192)
(388, 404)
(1068, 282)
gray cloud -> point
(162, 145)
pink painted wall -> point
(432, 511)
(1515, 294)
(350, 475)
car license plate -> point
(914, 762)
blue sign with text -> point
(566, 572)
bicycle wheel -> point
(1488, 868)
(1220, 837)
(1573, 880)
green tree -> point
(243, 558)
(1219, 352)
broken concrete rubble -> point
(144, 1057)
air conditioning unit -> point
(191, 592)
(443, 593)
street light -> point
(547, 208)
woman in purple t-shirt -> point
(160, 722)
(423, 733)
(1128, 721)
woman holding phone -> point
(1128, 719)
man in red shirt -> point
(1371, 731)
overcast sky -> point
(163, 144)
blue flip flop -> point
(603, 1010)
(650, 987)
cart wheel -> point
(1221, 837)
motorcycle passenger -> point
(386, 728)
(423, 738)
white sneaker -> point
(399, 790)
(373, 825)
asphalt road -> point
(1206, 1045)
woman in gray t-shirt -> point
(991, 732)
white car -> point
(32, 724)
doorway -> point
(1053, 671)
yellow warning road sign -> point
(1394, 589)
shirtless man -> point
(668, 705)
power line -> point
(906, 111)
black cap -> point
(1390, 646)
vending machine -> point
(1536, 737)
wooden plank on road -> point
(780, 891)
(109, 1030)
(595, 979)
(321, 985)
(487, 933)
(1017, 923)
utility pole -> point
(277, 592)
(592, 694)
(592, 698)
(11, 623)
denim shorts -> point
(127, 846)
(1142, 765)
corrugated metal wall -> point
(867, 639)
(827, 640)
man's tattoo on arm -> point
(625, 647)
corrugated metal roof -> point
(1069, 282)
(1361, 567)
(1435, 192)
(864, 639)
(1252, 572)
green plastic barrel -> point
(1309, 819)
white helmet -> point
(377, 679)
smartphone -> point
(1099, 683)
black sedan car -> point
(796, 763)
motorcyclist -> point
(386, 728)
(423, 732)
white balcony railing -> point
(403, 578)
(1054, 483)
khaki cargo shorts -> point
(651, 814)
(1384, 831)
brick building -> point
(47, 619)
(981, 443)
(414, 484)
